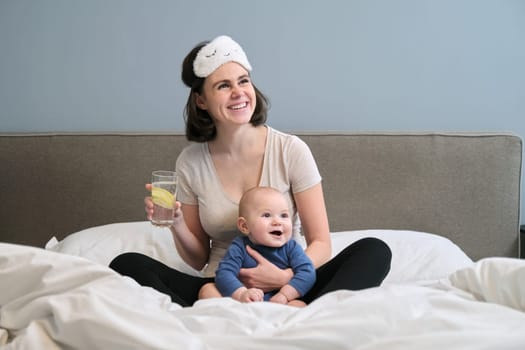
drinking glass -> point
(163, 195)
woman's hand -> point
(265, 275)
(149, 208)
(148, 202)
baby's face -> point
(269, 220)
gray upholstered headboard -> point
(462, 186)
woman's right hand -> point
(148, 202)
(149, 207)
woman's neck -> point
(238, 140)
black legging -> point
(363, 264)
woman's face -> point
(228, 95)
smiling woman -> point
(236, 151)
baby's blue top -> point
(291, 255)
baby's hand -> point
(252, 294)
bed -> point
(447, 204)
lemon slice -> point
(162, 197)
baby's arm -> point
(286, 294)
(303, 279)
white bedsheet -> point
(57, 301)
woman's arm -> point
(314, 221)
(191, 241)
(266, 275)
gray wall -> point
(114, 65)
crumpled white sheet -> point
(496, 280)
(57, 301)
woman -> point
(235, 150)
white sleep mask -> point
(216, 53)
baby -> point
(264, 219)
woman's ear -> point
(199, 100)
(242, 225)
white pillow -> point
(103, 243)
(495, 280)
(416, 256)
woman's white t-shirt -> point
(288, 166)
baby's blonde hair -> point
(247, 197)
